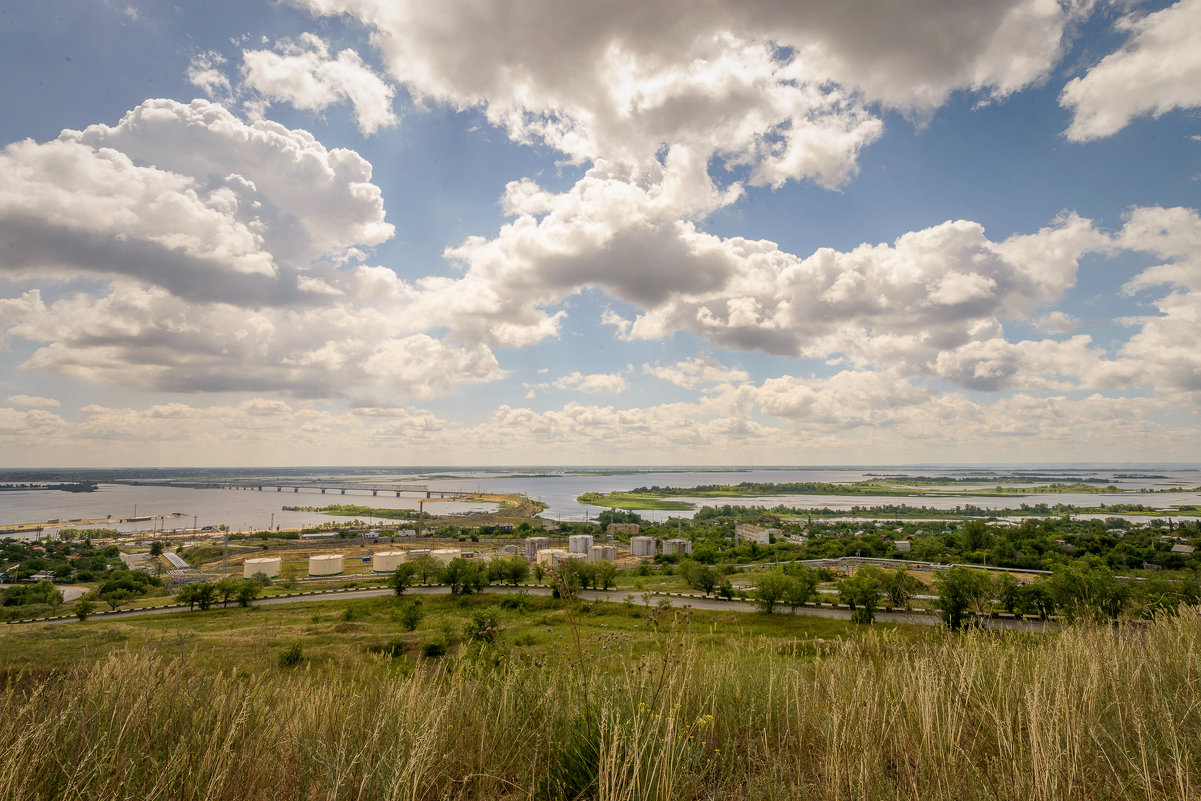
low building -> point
(902, 545)
(677, 547)
(535, 544)
(755, 534)
(625, 529)
(579, 543)
(1180, 547)
(602, 553)
(643, 546)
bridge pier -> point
(429, 494)
(343, 492)
(323, 490)
(295, 489)
(375, 492)
(398, 493)
(279, 489)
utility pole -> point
(225, 554)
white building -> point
(755, 534)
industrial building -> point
(388, 561)
(269, 566)
(642, 546)
(677, 547)
(602, 553)
(579, 543)
(613, 529)
(535, 544)
(327, 564)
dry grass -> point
(1090, 713)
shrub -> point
(434, 647)
(292, 655)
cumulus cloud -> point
(691, 373)
(593, 384)
(34, 402)
(305, 74)
(780, 88)
(1157, 70)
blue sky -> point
(369, 232)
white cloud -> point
(34, 402)
(593, 384)
(691, 373)
(1156, 71)
(205, 72)
(303, 73)
(781, 88)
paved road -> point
(613, 595)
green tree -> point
(517, 569)
(1088, 588)
(604, 573)
(862, 592)
(900, 587)
(426, 567)
(205, 595)
(84, 608)
(802, 587)
(411, 614)
(116, 598)
(960, 590)
(227, 588)
(464, 576)
(402, 577)
(1035, 599)
(187, 595)
(1008, 591)
(156, 548)
(248, 592)
(771, 589)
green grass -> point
(599, 705)
(629, 501)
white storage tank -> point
(642, 546)
(579, 543)
(326, 564)
(270, 566)
(562, 556)
(677, 546)
(387, 561)
(445, 555)
(546, 556)
(602, 553)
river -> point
(557, 487)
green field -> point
(632, 502)
(608, 702)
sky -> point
(356, 232)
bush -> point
(434, 647)
(292, 655)
(411, 614)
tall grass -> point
(1088, 713)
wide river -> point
(558, 488)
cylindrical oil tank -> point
(326, 564)
(445, 555)
(642, 546)
(269, 566)
(579, 543)
(387, 561)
